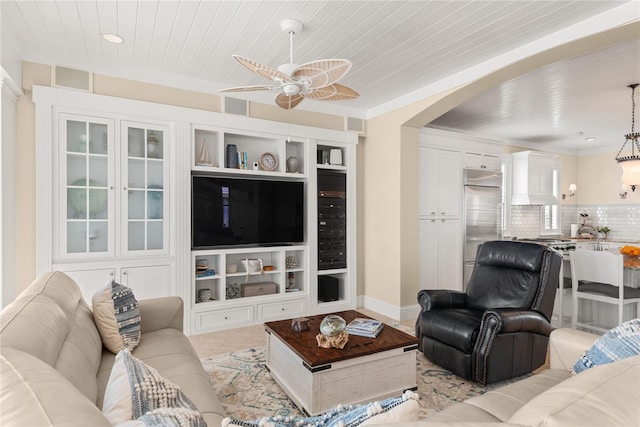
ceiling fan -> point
(315, 80)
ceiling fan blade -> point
(323, 72)
(248, 88)
(288, 102)
(263, 70)
(334, 92)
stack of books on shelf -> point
(369, 328)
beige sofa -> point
(606, 395)
(54, 369)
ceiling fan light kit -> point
(631, 164)
(315, 80)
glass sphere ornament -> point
(332, 325)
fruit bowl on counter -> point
(631, 255)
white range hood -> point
(532, 179)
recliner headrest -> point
(511, 254)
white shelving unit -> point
(210, 144)
(142, 155)
(296, 284)
(226, 279)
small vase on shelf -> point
(292, 164)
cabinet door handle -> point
(442, 213)
(433, 213)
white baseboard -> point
(395, 312)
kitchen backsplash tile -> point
(623, 220)
(525, 221)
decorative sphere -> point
(332, 325)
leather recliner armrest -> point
(161, 313)
(508, 320)
(430, 299)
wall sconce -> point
(572, 191)
(623, 193)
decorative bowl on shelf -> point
(332, 325)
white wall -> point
(10, 93)
(11, 69)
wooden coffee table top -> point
(304, 344)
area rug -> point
(247, 391)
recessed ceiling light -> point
(591, 138)
(113, 38)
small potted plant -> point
(603, 231)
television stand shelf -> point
(247, 285)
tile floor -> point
(222, 342)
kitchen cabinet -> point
(440, 256)
(482, 161)
(533, 179)
(440, 186)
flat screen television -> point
(239, 211)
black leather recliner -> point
(500, 327)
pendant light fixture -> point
(631, 164)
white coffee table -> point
(317, 379)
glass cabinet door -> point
(86, 190)
(145, 203)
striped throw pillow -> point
(117, 317)
(618, 343)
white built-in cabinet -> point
(482, 161)
(289, 288)
(440, 183)
(441, 254)
(113, 202)
(443, 157)
(111, 188)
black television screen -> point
(237, 211)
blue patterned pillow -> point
(618, 343)
(117, 317)
(137, 392)
(387, 411)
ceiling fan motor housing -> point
(291, 26)
(291, 89)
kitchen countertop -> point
(581, 240)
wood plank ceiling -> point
(396, 46)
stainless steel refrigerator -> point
(482, 215)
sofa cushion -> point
(116, 313)
(171, 354)
(33, 393)
(618, 343)
(136, 391)
(52, 322)
(501, 403)
(605, 395)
